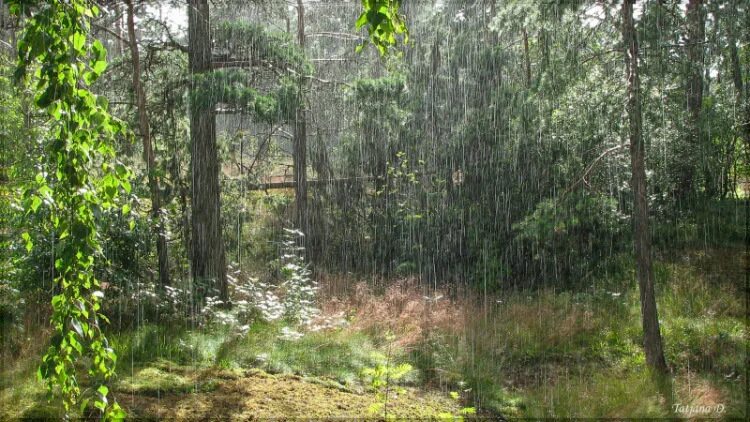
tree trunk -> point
(207, 244)
(652, 342)
(743, 107)
(694, 91)
(300, 137)
(527, 57)
(118, 29)
(148, 150)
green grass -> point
(150, 343)
(339, 355)
(162, 377)
(579, 354)
(23, 396)
(534, 354)
(603, 394)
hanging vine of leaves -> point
(383, 21)
(59, 61)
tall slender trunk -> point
(693, 147)
(527, 57)
(300, 136)
(207, 244)
(148, 150)
(742, 110)
(652, 342)
(741, 103)
(118, 29)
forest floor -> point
(166, 391)
(546, 353)
(176, 393)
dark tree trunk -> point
(743, 124)
(527, 58)
(207, 244)
(148, 150)
(300, 136)
(642, 244)
(742, 104)
(694, 92)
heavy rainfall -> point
(374, 209)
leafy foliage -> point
(82, 183)
(383, 22)
(383, 378)
(583, 228)
(231, 89)
(260, 46)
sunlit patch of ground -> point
(701, 396)
(254, 394)
(21, 395)
(535, 354)
(166, 391)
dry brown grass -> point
(699, 393)
(405, 308)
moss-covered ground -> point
(255, 394)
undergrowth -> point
(578, 354)
(535, 354)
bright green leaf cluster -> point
(383, 21)
(382, 377)
(58, 60)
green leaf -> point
(84, 404)
(362, 21)
(29, 243)
(100, 53)
(468, 411)
(78, 39)
(35, 203)
(99, 67)
(77, 327)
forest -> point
(374, 209)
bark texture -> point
(741, 102)
(696, 34)
(300, 137)
(652, 342)
(148, 150)
(207, 244)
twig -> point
(111, 32)
(590, 167)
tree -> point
(300, 134)
(741, 92)
(694, 92)
(652, 342)
(207, 244)
(148, 150)
(57, 57)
